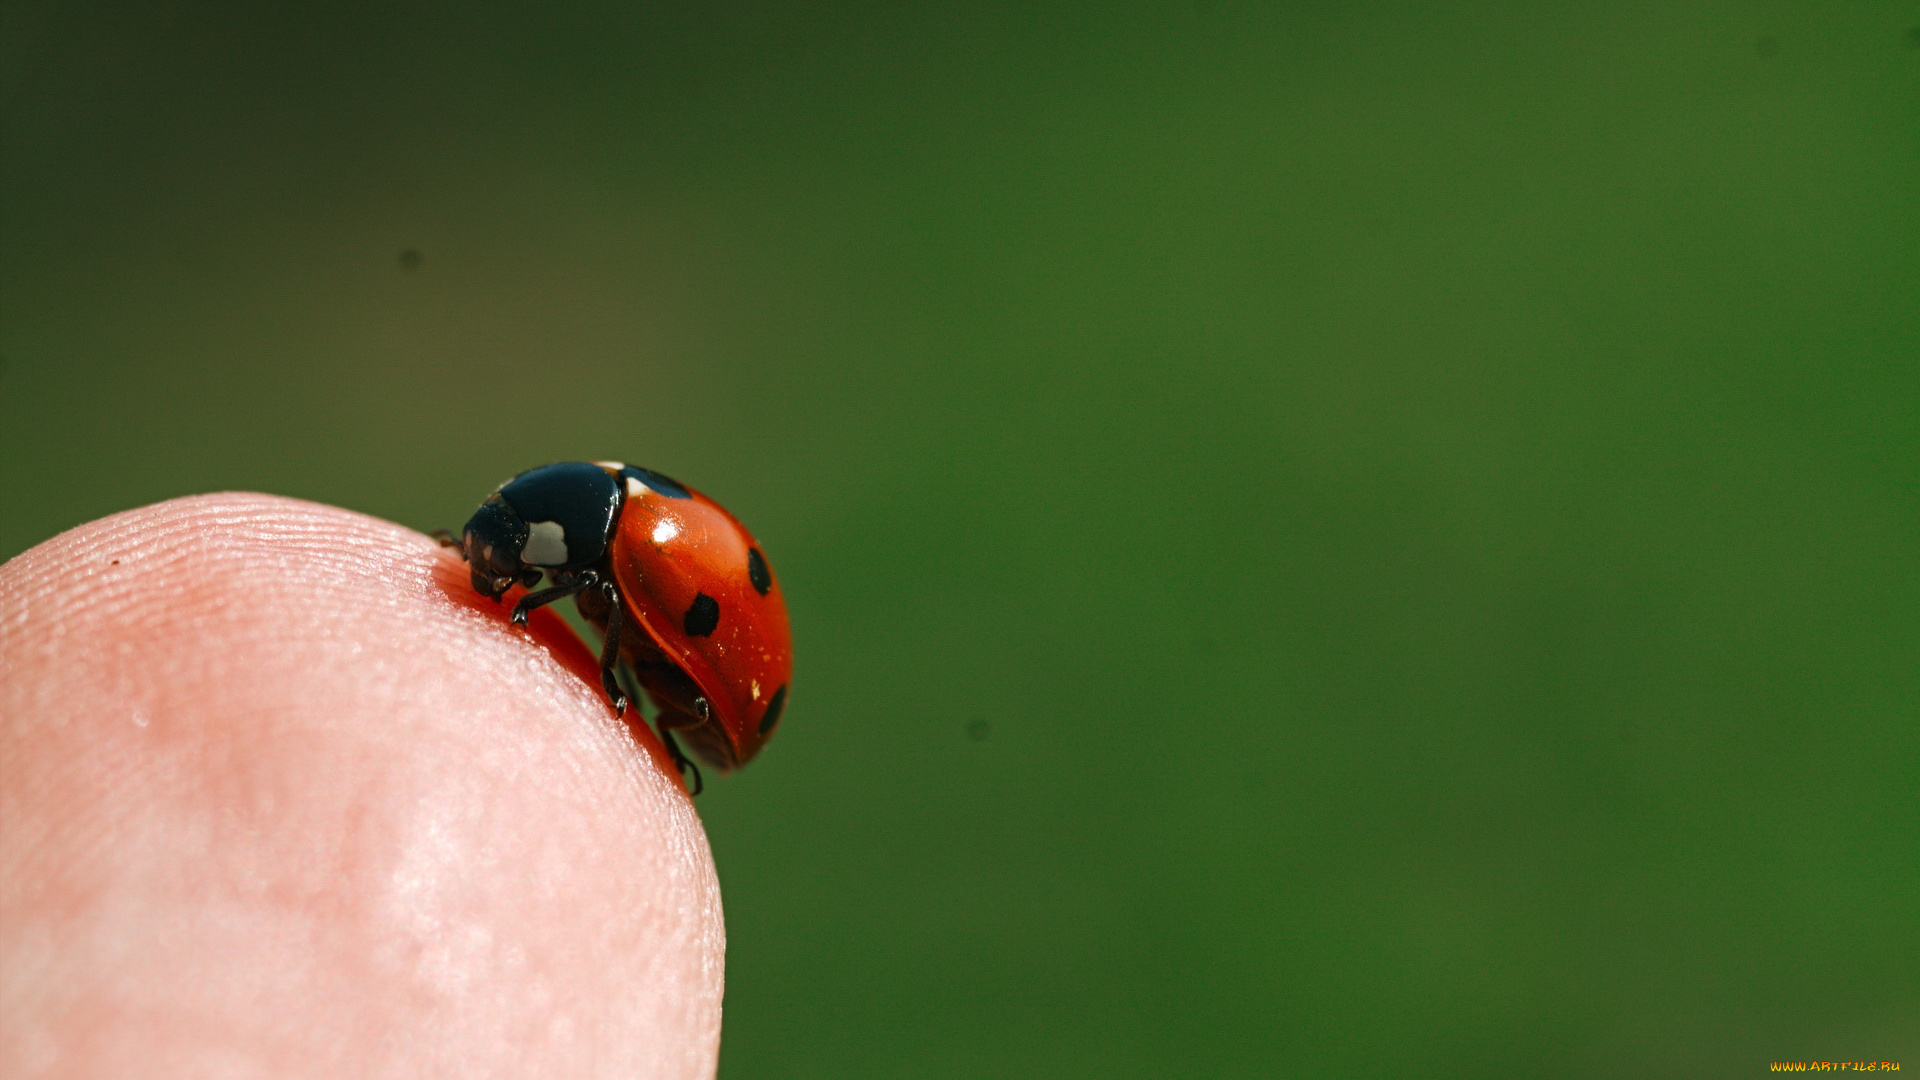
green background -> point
(1351, 538)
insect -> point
(684, 598)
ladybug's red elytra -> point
(684, 596)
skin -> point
(280, 796)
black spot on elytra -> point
(772, 715)
(702, 616)
(757, 571)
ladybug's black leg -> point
(561, 591)
(628, 686)
(682, 704)
(683, 762)
(610, 652)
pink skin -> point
(280, 796)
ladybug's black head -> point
(555, 517)
(493, 539)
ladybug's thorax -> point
(555, 517)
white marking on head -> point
(666, 530)
(546, 544)
(635, 488)
(611, 466)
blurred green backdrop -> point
(1341, 537)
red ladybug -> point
(683, 594)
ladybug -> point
(677, 586)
